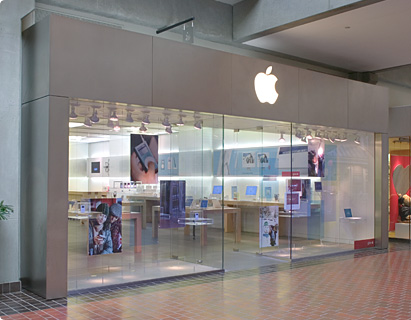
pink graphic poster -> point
(399, 165)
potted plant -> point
(5, 210)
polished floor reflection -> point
(369, 284)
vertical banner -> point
(399, 185)
(105, 227)
(172, 203)
(144, 158)
(316, 161)
(269, 226)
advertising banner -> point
(172, 203)
(105, 227)
(144, 158)
(269, 226)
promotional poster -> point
(172, 203)
(269, 226)
(105, 227)
(144, 158)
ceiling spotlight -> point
(304, 139)
(332, 139)
(343, 138)
(166, 123)
(94, 118)
(110, 124)
(169, 130)
(281, 138)
(129, 118)
(146, 119)
(317, 135)
(309, 136)
(180, 122)
(198, 125)
(116, 127)
(73, 114)
(142, 128)
(87, 122)
(357, 140)
(113, 116)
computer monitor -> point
(204, 204)
(217, 189)
(348, 213)
(292, 201)
(251, 191)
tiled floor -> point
(371, 284)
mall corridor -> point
(371, 284)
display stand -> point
(351, 221)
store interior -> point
(317, 183)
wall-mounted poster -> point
(263, 159)
(269, 226)
(316, 161)
(268, 195)
(248, 160)
(144, 158)
(105, 227)
(172, 203)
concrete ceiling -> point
(370, 38)
(230, 2)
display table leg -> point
(238, 225)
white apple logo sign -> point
(264, 84)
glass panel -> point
(254, 159)
(335, 210)
(399, 181)
(150, 175)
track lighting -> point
(357, 140)
(165, 122)
(146, 119)
(169, 130)
(198, 125)
(87, 122)
(113, 116)
(343, 138)
(309, 136)
(317, 135)
(94, 118)
(73, 114)
(116, 127)
(142, 128)
(129, 118)
(304, 139)
(281, 137)
(180, 122)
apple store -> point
(167, 159)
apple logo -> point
(264, 84)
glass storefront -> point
(162, 192)
(399, 188)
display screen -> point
(204, 203)
(318, 186)
(348, 213)
(95, 167)
(218, 189)
(189, 201)
(251, 191)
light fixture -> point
(169, 130)
(165, 122)
(343, 138)
(142, 128)
(116, 127)
(113, 116)
(304, 139)
(332, 139)
(73, 114)
(146, 119)
(180, 122)
(317, 135)
(94, 118)
(129, 118)
(87, 122)
(309, 136)
(281, 137)
(198, 125)
(357, 140)
(110, 124)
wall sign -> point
(264, 84)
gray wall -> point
(11, 12)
